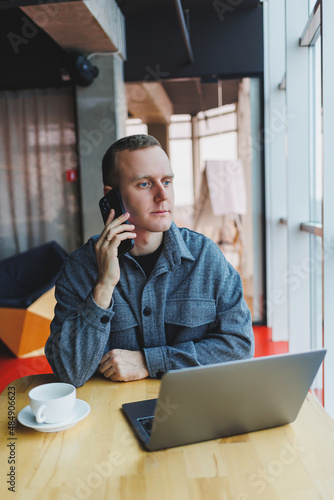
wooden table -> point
(100, 458)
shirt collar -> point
(175, 243)
(174, 249)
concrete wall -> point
(101, 114)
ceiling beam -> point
(85, 25)
(149, 102)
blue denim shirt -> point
(189, 312)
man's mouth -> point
(160, 212)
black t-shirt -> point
(147, 262)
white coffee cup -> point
(52, 403)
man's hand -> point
(120, 365)
(106, 250)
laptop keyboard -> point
(146, 423)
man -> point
(173, 301)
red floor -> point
(264, 346)
(12, 368)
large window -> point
(218, 134)
(299, 41)
(180, 148)
(227, 134)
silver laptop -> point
(225, 399)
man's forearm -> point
(212, 349)
(77, 341)
(102, 295)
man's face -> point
(146, 188)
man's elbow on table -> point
(64, 374)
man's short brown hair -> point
(110, 171)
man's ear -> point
(106, 189)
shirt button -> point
(147, 311)
(104, 320)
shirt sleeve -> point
(79, 332)
(229, 337)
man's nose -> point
(160, 194)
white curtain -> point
(38, 200)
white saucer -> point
(80, 411)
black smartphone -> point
(113, 200)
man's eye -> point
(143, 184)
(167, 182)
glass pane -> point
(219, 147)
(180, 118)
(135, 126)
(179, 130)
(216, 124)
(180, 152)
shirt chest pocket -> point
(188, 319)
